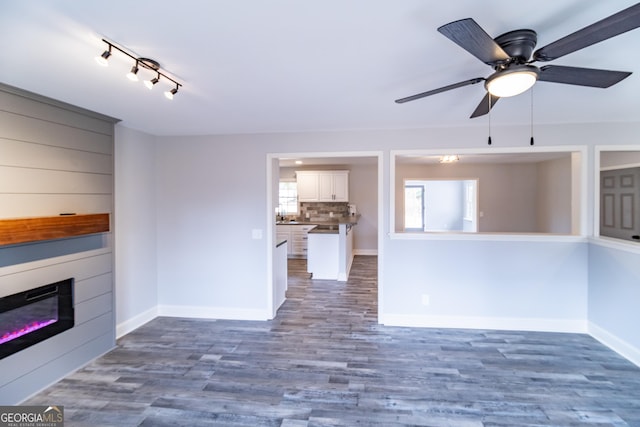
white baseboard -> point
(199, 312)
(500, 323)
(365, 252)
(621, 347)
(135, 322)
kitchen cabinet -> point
(307, 183)
(323, 186)
(331, 253)
(297, 238)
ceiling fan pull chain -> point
(489, 139)
(531, 141)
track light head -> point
(133, 74)
(169, 94)
(150, 83)
(103, 59)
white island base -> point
(330, 254)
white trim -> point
(380, 159)
(270, 231)
(382, 222)
(496, 323)
(202, 312)
(495, 237)
(135, 322)
(616, 344)
(596, 181)
(622, 166)
(619, 244)
(365, 252)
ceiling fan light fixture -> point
(511, 81)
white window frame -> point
(297, 205)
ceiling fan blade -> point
(439, 90)
(581, 76)
(614, 25)
(484, 107)
(467, 34)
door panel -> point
(620, 204)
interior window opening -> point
(620, 195)
(481, 191)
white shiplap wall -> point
(56, 158)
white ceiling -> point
(290, 65)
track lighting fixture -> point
(144, 63)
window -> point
(288, 198)
(413, 207)
(440, 205)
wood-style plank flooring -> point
(324, 361)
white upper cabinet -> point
(323, 186)
(307, 186)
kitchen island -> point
(330, 249)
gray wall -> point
(553, 199)
(135, 237)
(56, 158)
(211, 195)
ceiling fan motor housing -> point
(518, 44)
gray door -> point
(620, 204)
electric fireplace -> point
(28, 317)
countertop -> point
(350, 220)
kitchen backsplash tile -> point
(321, 211)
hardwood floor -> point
(324, 361)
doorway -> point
(620, 203)
(365, 191)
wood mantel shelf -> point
(25, 230)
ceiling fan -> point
(510, 55)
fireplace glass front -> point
(29, 317)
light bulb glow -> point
(511, 82)
(450, 158)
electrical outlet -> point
(425, 299)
